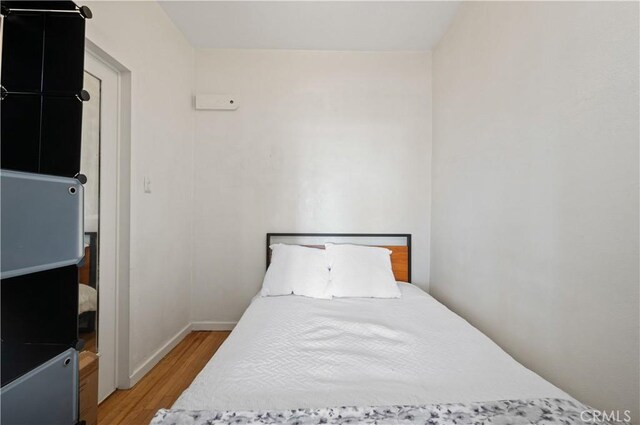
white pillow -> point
(361, 271)
(296, 270)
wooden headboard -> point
(398, 244)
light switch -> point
(147, 184)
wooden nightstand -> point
(88, 387)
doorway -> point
(98, 275)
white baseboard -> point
(213, 326)
(153, 360)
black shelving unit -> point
(40, 138)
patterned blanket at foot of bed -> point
(508, 412)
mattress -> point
(293, 352)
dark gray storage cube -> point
(42, 222)
(47, 394)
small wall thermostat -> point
(216, 102)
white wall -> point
(535, 188)
(321, 142)
(141, 37)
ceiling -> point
(313, 25)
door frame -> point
(107, 108)
(123, 212)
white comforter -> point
(87, 298)
(296, 352)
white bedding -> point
(87, 298)
(295, 352)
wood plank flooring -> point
(163, 384)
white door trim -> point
(123, 211)
(107, 239)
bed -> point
(293, 359)
(87, 282)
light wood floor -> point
(163, 384)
